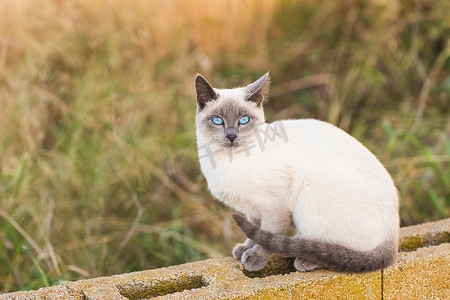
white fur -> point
(322, 179)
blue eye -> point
(217, 120)
(244, 120)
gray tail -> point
(327, 255)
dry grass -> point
(98, 168)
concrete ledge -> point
(54, 292)
(422, 274)
(423, 235)
(419, 273)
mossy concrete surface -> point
(423, 235)
(423, 273)
(54, 292)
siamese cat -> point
(340, 198)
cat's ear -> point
(205, 91)
(258, 89)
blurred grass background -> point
(98, 162)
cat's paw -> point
(303, 265)
(255, 259)
(238, 250)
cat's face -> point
(229, 116)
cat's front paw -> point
(238, 250)
(303, 266)
(255, 259)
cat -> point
(306, 173)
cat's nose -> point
(231, 134)
(231, 137)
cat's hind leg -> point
(303, 266)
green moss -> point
(277, 265)
(411, 243)
(139, 290)
(414, 242)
